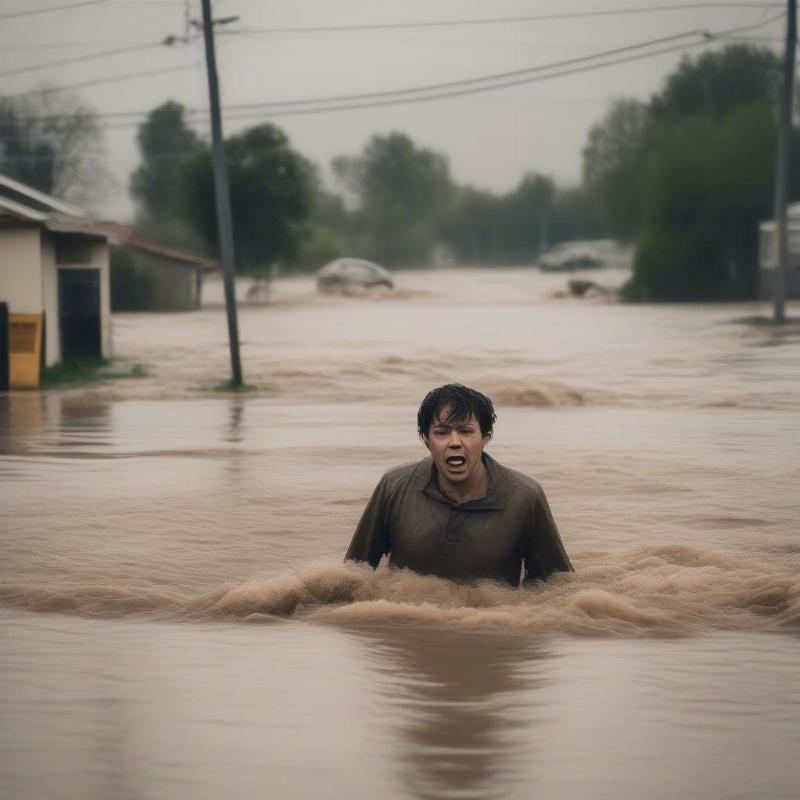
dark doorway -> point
(79, 313)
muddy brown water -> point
(176, 622)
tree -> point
(573, 216)
(483, 228)
(718, 82)
(132, 288)
(271, 195)
(611, 159)
(328, 232)
(707, 184)
(530, 205)
(616, 141)
(707, 177)
(689, 176)
(165, 140)
(53, 142)
(401, 191)
(512, 228)
(473, 224)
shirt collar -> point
(425, 480)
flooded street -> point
(198, 635)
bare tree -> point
(52, 141)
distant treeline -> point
(396, 204)
(686, 177)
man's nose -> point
(454, 440)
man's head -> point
(455, 403)
(456, 423)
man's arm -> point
(544, 550)
(371, 539)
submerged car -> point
(570, 256)
(346, 273)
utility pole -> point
(782, 167)
(222, 195)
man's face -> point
(456, 447)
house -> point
(768, 255)
(54, 278)
(149, 275)
(62, 273)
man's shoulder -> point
(410, 472)
(518, 482)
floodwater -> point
(176, 621)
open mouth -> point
(455, 461)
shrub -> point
(676, 265)
(132, 287)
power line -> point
(502, 20)
(433, 91)
(486, 82)
(144, 46)
(440, 23)
(436, 23)
(441, 95)
(109, 79)
(51, 9)
(77, 59)
(753, 39)
(21, 45)
(469, 81)
(437, 94)
(370, 95)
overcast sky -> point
(491, 138)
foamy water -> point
(652, 590)
(199, 635)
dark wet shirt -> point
(495, 536)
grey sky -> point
(490, 138)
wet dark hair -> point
(461, 401)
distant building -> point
(60, 271)
(149, 275)
(768, 255)
(54, 276)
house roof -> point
(119, 234)
(20, 202)
(12, 209)
(16, 191)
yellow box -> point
(25, 350)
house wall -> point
(86, 253)
(766, 284)
(768, 257)
(170, 286)
(20, 269)
(50, 295)
(175, 286)
(100, 258)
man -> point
(459, 514)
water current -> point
(199, 635)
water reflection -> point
(80, 422)
(22, 415)
(236, 408)
(234, 435)
(458, 700)
(110, 747)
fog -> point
(491, 138)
